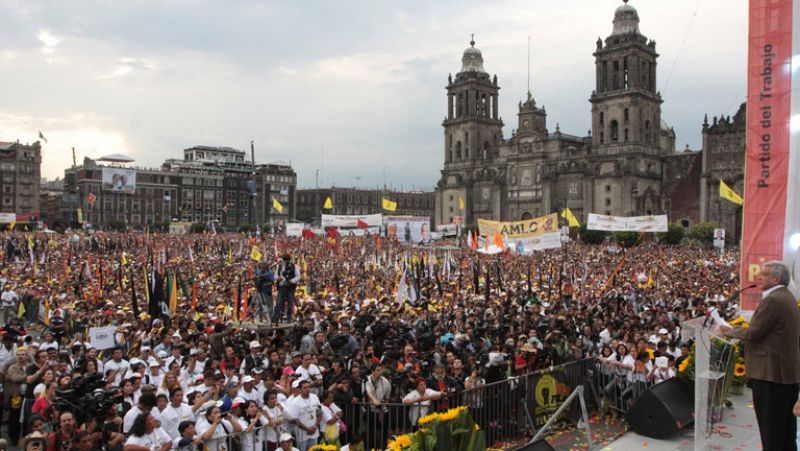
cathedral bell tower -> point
(472, 127)
(626, 109)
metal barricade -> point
(618, 389)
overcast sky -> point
(362, 79)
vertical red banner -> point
(769, 95)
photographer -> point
(264, 278)
(34, 375)
(288, 278)
(378, 390)
(212, 426)
(63, 439)
(256, 359)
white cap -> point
(296, 383)
(247, 379)
(255, 344)
(154, 364)
(285, 437)
(663, 331)
(194, 351)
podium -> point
(713, 373)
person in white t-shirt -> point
(331, 416)
(212, 427)
(304, 411)
(310, 372)
(147, 436)
(118, 364)
(253, 424)
(276, 420)
(176, 412)
(420, 399)
(286, 443)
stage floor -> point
(738, 431)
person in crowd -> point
(145, 435)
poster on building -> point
(408, 229)
(369, 231)
(653, 223)
(179, 228)
(8, 218)
(120, 180)
(719, 238)
(351, 221)
(771, 210)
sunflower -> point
(739, 370)
(428, 418)
(737, 321)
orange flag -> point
(498, 240)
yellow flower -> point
(477, 428)
(428, 418)
(739, 370)
(737, 321)
(682, 367)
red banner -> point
(769, 85)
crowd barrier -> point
(510, 410)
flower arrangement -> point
(450, 430)
(324, 448)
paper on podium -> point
(708, 324)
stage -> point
(738, 431)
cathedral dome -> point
(472, 61)
(626, 20)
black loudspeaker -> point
(663, 409)
(538, 445)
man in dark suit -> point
(772, 358)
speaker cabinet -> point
(663, 409)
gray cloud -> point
(365, 80)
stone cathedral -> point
(618, 169)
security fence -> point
(510, 410)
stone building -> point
(723, 159)
(617, 169)
(209, 185)
(20, 171)
(354, 201)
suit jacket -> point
(772, 342)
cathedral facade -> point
(618, 169)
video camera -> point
(86, 397)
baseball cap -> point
(247, 379)
(255, 344)
(285, 437)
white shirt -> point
(9, 298)
(119, 367)
(310, 374)
(305, 410)
(127, 421)
(215, 443)
(6, 355)
(330, 412)
(418, 409)
(154, 440)
(769, 291)
(254, 439)
(252, 395)
(172, 417)
(275, 414)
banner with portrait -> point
(119, 180)
(408, 229)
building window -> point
(614, 131)
(625, 116)
(608, 202)
(608, 188)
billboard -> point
(294, 229)
(351, 220)
(771, 210)
(119, 180)
(409, 229)
(629, 224)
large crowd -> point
(290, 342)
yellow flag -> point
(571, 219)
(389, 205)
(255, 254)
(277, 205)
(328, 203)
(21, 310)
(460, 203)
(124, 260)
(727, 193)
(12, 225)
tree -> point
(591, 236)
(628, 239)
(674, 234)
(198, 227)
(117, 225)
(703, 231)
